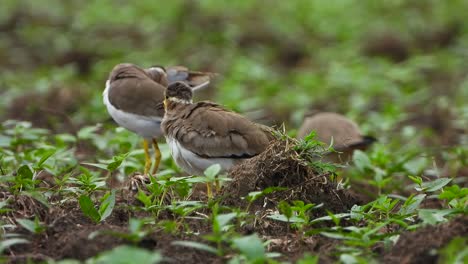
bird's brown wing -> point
(214, 132)
(138, 95)
(192, 78)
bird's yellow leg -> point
(147, 156)
(208, 190)
(157, 156)
(217, 186)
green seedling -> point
(34, 227)
(105, 209)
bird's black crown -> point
(179, 90)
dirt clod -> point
(281, 166)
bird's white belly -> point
(191, 162)
(145, 126)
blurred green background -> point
(399, 68)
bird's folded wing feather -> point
(213, 132)
(192, 78)
(126, 94)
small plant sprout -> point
(105, 209)
(34, 227)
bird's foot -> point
(138, 181)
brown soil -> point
(68, 231)
(419, 246)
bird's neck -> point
(175, 105)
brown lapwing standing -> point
(134, 99)
(204, 133)
(332, 128)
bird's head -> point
(178, 92)
(158, 74)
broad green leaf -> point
(107, 205)
(135, 225)
(197, 179)
(125, 255)
(283, 218)
(285, 209)
(455, 252)
(251, 247)
(434, 185)
(88, 132)
(142, 197)
(224, 219)
(361, 160)
(27, 224)
(433, 216)
(212, 171)
(196, 245)
(87, 207)
(47, 154)
(328, 217)
(116, 162)
(25, 172)
(5, 141)
(453, 192)
(4, 203)
(4, 244)
(308, 259)
(411, 204)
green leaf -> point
(411, 204)
(252, 196)
(361, 160)
(308, 259)
(453, 192)
(283, 218)
(135, 225)
(212, 171)
(107, 205)
(328, 217)
(25, 172)
(88, 132)
(251, 247)
(145, 199)
(196, 245)
(47, 154)
(97, 165)
(87, 207)
(416, 179)
(116, 162)
(4, 203)
(455, 252)
(224, 219)
(433, 216)
(5, 141)
(433, 186)
(127, 254)
(4, 244)
(285, 209)
(27, 224)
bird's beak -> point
(165, 104)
